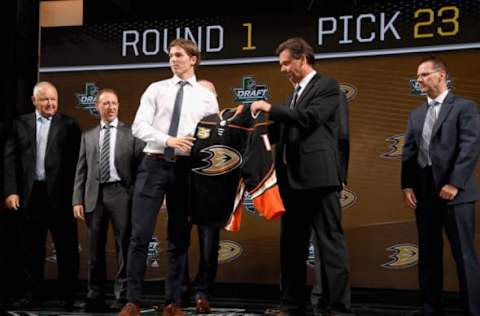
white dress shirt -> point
(42, 128)
(113, 139)
(154, 114)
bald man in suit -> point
(40, 157)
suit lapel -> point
(421, 120)
(96, 144)
(121, 138)
(52, 132)
(444, 110)
(32, 131)
(307, 89)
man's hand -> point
(79, 212)
(409, 198)
(12, 202)
(448, 192)
(260, 106)
(181, 143)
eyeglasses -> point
(426, 74)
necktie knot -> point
(182, 83)
(107, 126)
(433, 103)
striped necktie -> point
(423, 158)
(105, 155)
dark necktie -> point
(295, 97)
(177, 109)
(105, 155)
(423, 158)
(292, 105)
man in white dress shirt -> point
(166, 119)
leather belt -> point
(162, 157)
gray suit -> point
(104, 201)
(454, 151)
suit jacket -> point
(310, 134)
(343, 136)
(60, 158)
(128, 153)
(454, 147)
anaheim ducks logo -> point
(229, 251)
(395, 147)
(404, 256)
(349, 89)
(347, 198)
(221, 159)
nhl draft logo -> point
(229, 250)
(404, 256)
(248, 203)
(153, 255)
(395, 147)
(311, 256)
(250, 91)
(415, 87)
(86, 100)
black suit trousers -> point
(433, 215)
(113, 206)
(38, 218)
(155, 179)
(316, 210)
(208, 239)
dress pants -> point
(155, 178)
(316, 293)
(113, 205)
(208, 238)
(316, 210)
(39, 217)
(433, 215)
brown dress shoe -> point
(172, 310)
(203, 306)
(130, 309)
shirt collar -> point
(113, 123)
(176, 79)
(38, 115)
(439, 98)
(306, 80)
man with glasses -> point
(441, 150)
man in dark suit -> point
(308, 169)
(441, 149)
(343, 133)
(40, 157)
(104, 194)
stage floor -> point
(254, 299)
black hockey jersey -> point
(232, 155)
